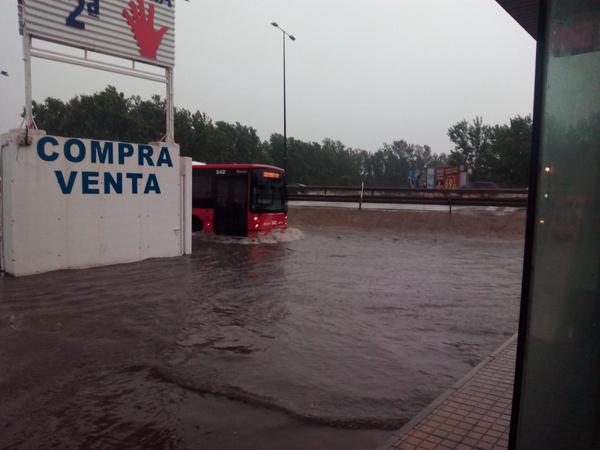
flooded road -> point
(324, 340)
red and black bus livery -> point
(238, 199)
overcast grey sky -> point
(361, 71)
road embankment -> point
(506, 224)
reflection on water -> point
(347, 331)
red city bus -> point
(238, 199)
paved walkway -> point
(472, 414)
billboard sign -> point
(430, 177)
(139, 30)
(451, 178)
(71, 202)
(448, 177)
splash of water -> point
(274, 237)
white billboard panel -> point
(73, 203)
(141, 30)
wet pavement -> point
(316, 340)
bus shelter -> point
(557, 384)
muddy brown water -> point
(319, 341)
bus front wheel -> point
(197, 224)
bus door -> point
(231, 205)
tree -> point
(109, 114)
(438, 160)
(390, 165)
(50, 115)
(499, 153)
(472, 143)
(509, 152)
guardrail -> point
(447, 197)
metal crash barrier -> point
(516, 198)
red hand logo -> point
(148, 39)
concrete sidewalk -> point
(474, 414)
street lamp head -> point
(274, 24)
(292, 37)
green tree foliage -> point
(510, 152)
(471, 144)
(110, 115)
(389, 165)
(498, 153)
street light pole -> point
(285, 150)
(284, 34)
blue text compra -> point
(105, 153)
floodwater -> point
(314, 341)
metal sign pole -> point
(170, 138)
(27, 63)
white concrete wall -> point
(47, 229)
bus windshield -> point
(268, 193)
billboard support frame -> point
(167, 78)
(27, 63)
(170, 137)
(94, 64)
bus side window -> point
(202, 190)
